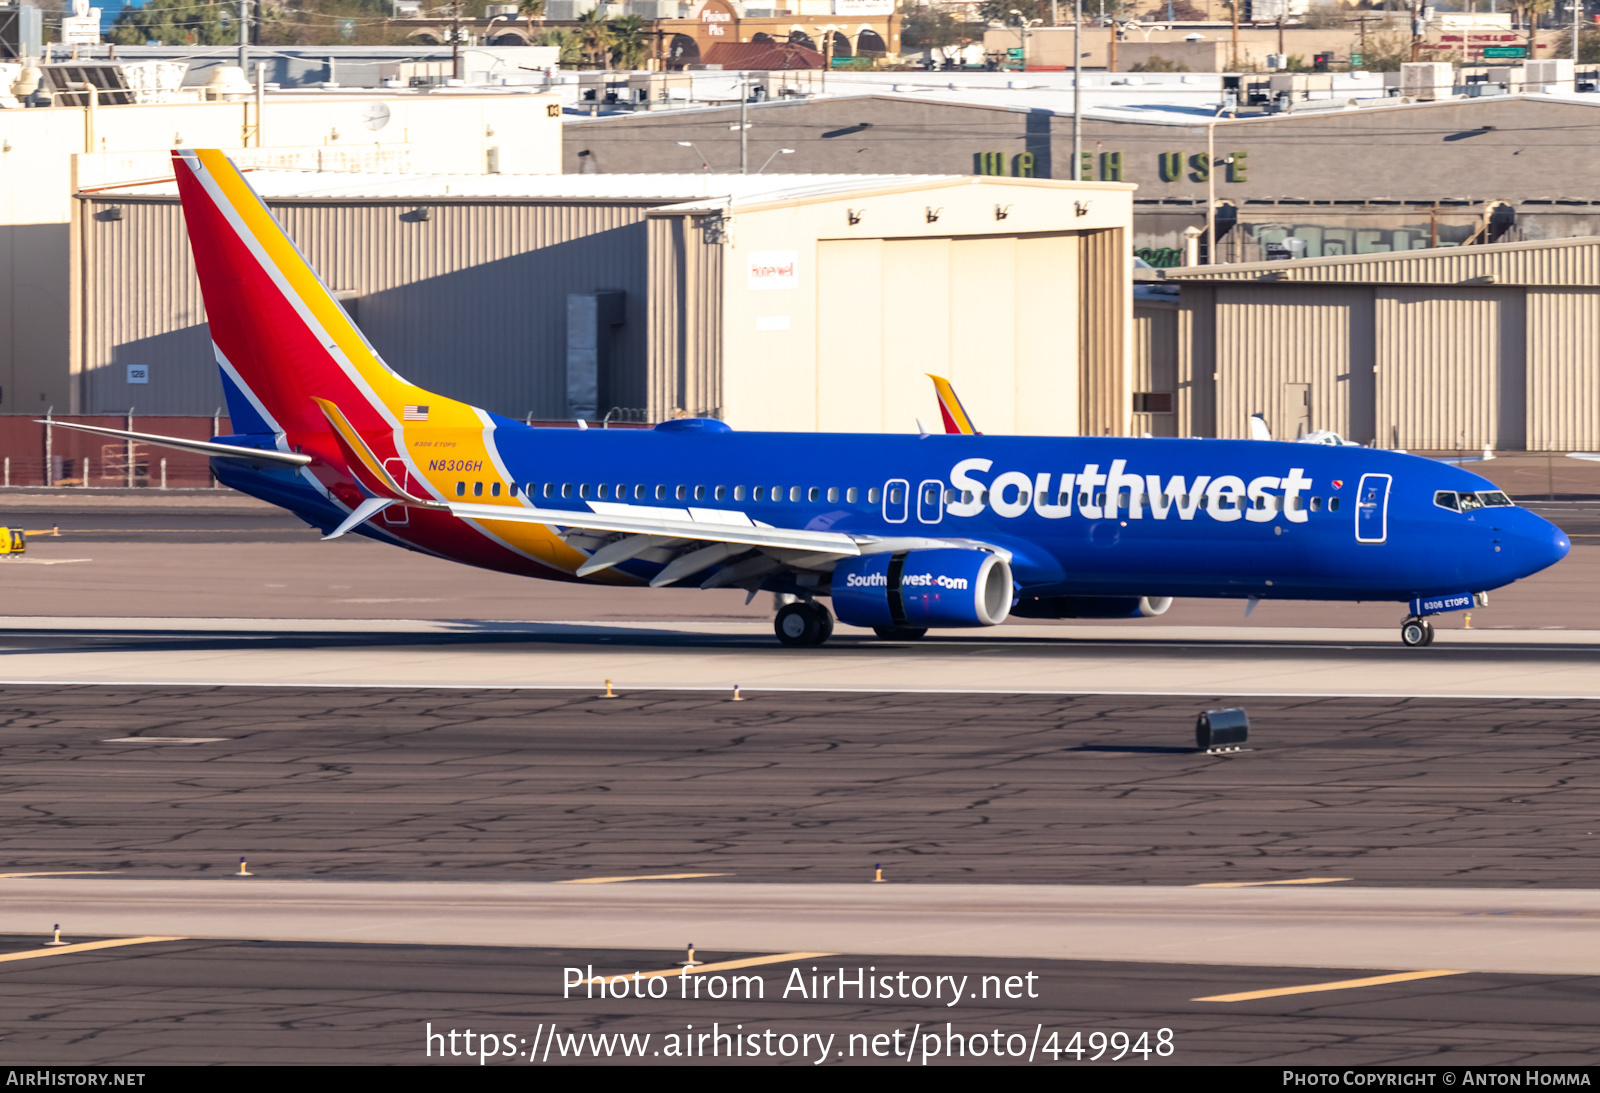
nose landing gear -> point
(803, 623)
(1415, 632)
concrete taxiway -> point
(1546, 931)
(655, 655)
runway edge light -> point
(56, 940)
(1219, 730)
(243, 872)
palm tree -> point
(595, 35)
(531, 10)
(630, 43)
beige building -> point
(49, 154)
(1449, 349)
(776, 302)
(825, 306)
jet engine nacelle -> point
(923, 588)
(1092, 607)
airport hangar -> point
(777, 302)
(1435, 350)
(47, 154)
(1381, 176)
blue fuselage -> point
(1080, 516)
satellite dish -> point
(375, 115)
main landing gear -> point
(1415, 632)
(805, 622)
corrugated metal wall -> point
(1155, 361)
(1197, 361)
(1563, 369)
(1105, 314)
(470, 302)
(1545, 262)
(1451, 368)
(1271, 338)
(1424, 367)
(685, 304)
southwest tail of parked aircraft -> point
(903, 533)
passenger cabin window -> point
(1333, 504)
(699, 493)
(661, 493)
(738, 493)
(461, 489)
(873, 493)
(583, 490)
(477, 489)
(761, 493)
(850, 495)
(603, 492)
(494, 490)
(794, 493)
(681, 493)
(833, 493)
(566, 489)
(549, 489)
(720, 493)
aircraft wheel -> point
(826, 618)
(1429, 627)
(900, 633)
(800, 624)
(1415, 632)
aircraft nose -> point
(1535, 543)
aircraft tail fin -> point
(950, 408)
(282, 339)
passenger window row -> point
(851, 495)
(623, 492)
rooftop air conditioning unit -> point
(1426, 80)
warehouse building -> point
(48, 154)
(1374, 176)
(1433, 350)
(776, 302)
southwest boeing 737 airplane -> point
(903, 533)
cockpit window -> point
(1468, 502)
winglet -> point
(955, 416)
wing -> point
(691, 541)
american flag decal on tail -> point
(415, 413)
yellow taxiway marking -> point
(71, 873)
(1337, 985)
(726, 965)
(86, 946)
(1267, 883)
(653, 876)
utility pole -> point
(1577, 20)
(1234, 49)
(1111, 59)
(244, 36)
(455, 39)
(744, 124)
(1077, 89)
(1416, 30)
